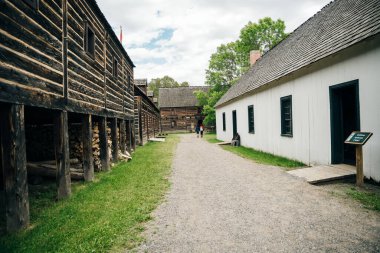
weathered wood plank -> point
(23, 14)
(28, 79)
(115, 141)
(52, 48)
(64, 51)
(19, 61)
(62, 154)
(53, 15)
(14, 167)
(103, 142)
(53, 59)
(88, 160)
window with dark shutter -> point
(89, 40)
(224, 121)
(251, 120)
(286, 116)
(33, 3)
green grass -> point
(106, 215)
(211, 137)
(370, 200)
(264, 158)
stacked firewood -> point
(75, 142)
(96, 147)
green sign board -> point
(358, 138)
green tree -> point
(164, 82)
(262, 36)
(231, 60)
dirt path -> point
(220, 202)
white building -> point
(306, 95)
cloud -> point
(176, 38)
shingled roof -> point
(179, 97)
(339, 25)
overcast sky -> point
(177, 37)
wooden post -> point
(133, 129)
(103, 142)
(62, 154)
(14, 167)
(88, 160)
(359, 165)
(115, 142)
(123, 136)
(64, 51)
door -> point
(344, 118)
(234, 123)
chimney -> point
(254, 55)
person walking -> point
(197, 129)
(201, 129)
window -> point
(129, 82)
(286, 116)
(251, 120)
(89, 41)
(224, 121)
(33, 3)
(114, 67)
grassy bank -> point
(257, 156)
(106, 215)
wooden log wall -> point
(147, 117)
(33, 63)
(181, 118)
(46, 62)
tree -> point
(261, 36)
(230, 61)
(164, 82)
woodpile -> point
(40, 150)
(96, 147)
(49, 169)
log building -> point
(179, 108)
(147, 114)
(61, 66)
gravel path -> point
(220, 202)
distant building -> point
(179, 108)
(305, 96)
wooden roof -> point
(339, 25)
(179, 97)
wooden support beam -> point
(133, 134)
(123, 137)
(64, 51)
(129, 134)
(88, 160)
(14, 167)
(62, 154)
(115, 141)
(103, 141)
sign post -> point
(359, 139)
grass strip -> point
(370, 200)
(264, 158)
(106, 215)
(211, 137)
